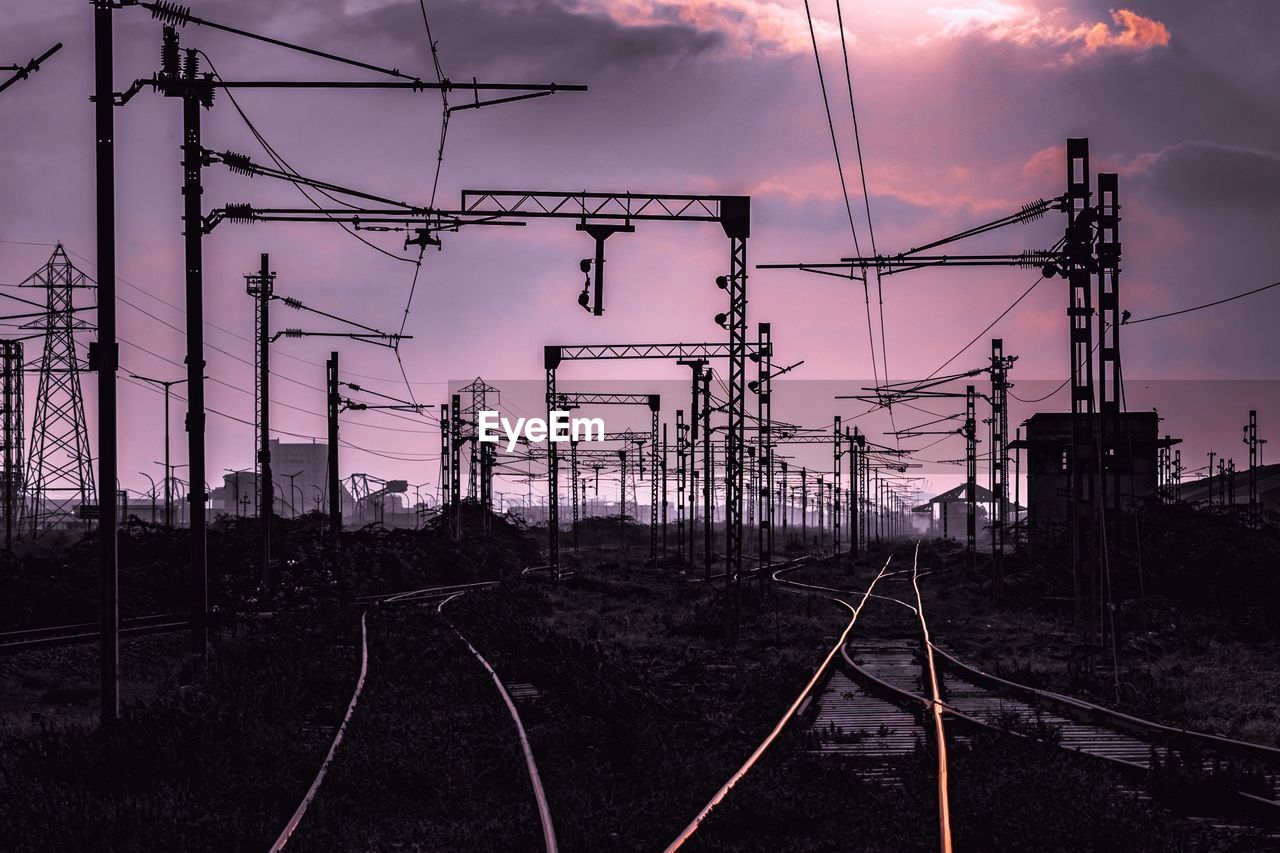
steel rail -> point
(1103, 715)
(28, 639)
(1267, 810)
(544, 810)
(944, 799)
(298, 813)
(452, 591)
(719, 796)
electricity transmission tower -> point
(60, 475)
(479, 391)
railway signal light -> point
(584, 298)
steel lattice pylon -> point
(479, 391)
(60, 475)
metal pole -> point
(192, 189)
(654, 407)
(108, 557)
(681, 476)
(168, 465)
(804, 506)
(1017, 492)
(665, 502)
(335, 488)
(971, 475)
(835, 489)
(551, 360)
(266, 481)
(708, 472)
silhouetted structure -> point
(11, 422)
(60, 475)
(1130, 466)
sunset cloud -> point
(1128, 31)
(768, 28)
(1136, 33)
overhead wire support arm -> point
(354, 406)
(243, 165)
(912, 259)
(22, 72)
(177, 15)
(379, 338)
(913, 385)
(891, 264)
(366, 219)
(1027, 213)
(477, 103)
(298, 306)
(395, 401)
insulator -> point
(293, 333)
(1034, 210)
(174, 14)
(239, 212)
(239, 163)
(170, 61)
(291, 302)
(1036, 258)
(190, 64)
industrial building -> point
(1130, 467)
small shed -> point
(948, 515)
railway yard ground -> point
(637, 703)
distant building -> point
(300, 474)
(947, 515)
(1130, 468)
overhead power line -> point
(1127, 322)
(844, 188)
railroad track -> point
(51, 636)
(63, 635)
(902, 673)
(801, 702)
(441, 595)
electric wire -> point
(835, 145)
(1201, 307)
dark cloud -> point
(1201, 173)
(517, 36)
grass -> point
(648, 710)
(430, 761)
(214, 768)
(648, 704)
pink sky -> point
(963, 108)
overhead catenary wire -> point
(986, 329)
(1200, 307)
(230, 332)
(284, 166)
(848, 206)
(866, 196)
